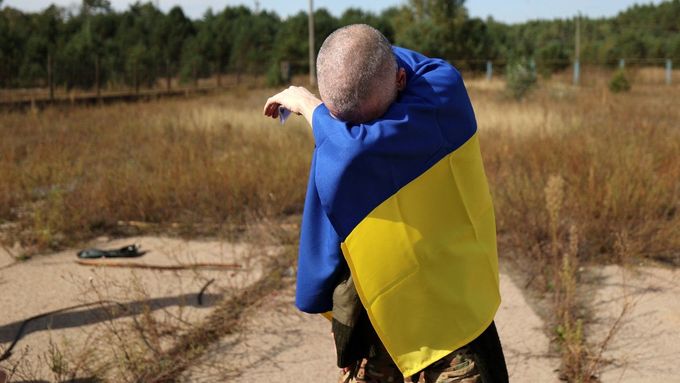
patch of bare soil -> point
(45, 283)
(646, 346)
(278, 344)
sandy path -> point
(276, 343)
(646, 347)
(281, 345)
(46, 283)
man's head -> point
(357, 73)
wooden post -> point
(97, 86)
(577, 72)
(50, 76)
(669, 71)
(136, 79)
(168, 79)
(489, 70)
(219, 75)
(577, 51)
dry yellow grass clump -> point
(619, 157)
(66, 175)
(573, 171)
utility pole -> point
(312, 60)
(97, 86)
(577, 51)
(50, 75)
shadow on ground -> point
(103, 312)
(79, 380)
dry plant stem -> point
(622, 249)
(137, 265)
(222, 321)
(10, 252)
(113, 329)
(142, 334)
(596, 361)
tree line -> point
(93, 44)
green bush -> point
(619, 82)
(274, 77)
(520, 78)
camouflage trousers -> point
(457, 367)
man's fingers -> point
(271, 108)
(295, 99)
(268, 106)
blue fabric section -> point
(320, 257)
(356, 167)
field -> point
(579, 176)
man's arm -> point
(296, 99)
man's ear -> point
(401, 79)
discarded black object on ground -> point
(130, 251)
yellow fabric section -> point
(425, 262)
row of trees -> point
(644, 33)
(94, 44)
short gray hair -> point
(355, 65)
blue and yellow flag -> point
(404, 202)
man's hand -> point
(296, 99)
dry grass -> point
(133, 334)
(617, 154)
(66, 175)
(570, 170)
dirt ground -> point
(646, 344)
(46, 283)
(277, 343)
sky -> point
(502, 10)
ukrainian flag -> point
(404, 202)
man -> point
(398, 231)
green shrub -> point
(520, 79)
(619, 82)
(274, 77)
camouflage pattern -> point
(377, 369)
(457, 367)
